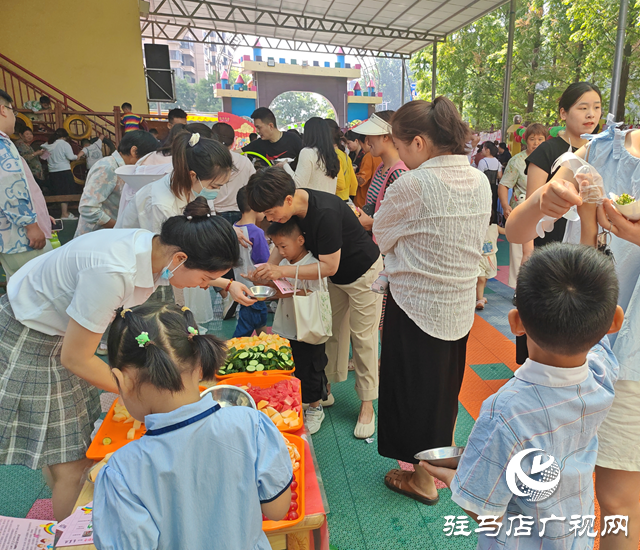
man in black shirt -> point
(273, 144)
(349, 258)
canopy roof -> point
(389, 28)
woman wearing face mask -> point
(200, 167)
(51, 320)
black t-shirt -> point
(544, 157)
(330, 225)
(288, 146)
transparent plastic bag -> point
(590, 184)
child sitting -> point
(489, 262)
(310, 360)
(92, 150)
(550, 412)
(200, 471)
(253, 317)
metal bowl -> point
(445, 457)
(261, 293)
(230, 396)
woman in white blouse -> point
(430, 226)
(317, 165)
(51, 320)
(59, 158)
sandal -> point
(399, 481)
(480, 303)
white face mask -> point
(166, 273)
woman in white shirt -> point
(317, 165)
(51, 320)
(492, 168)
(59, 159)
(430, 225)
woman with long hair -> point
(317, 165)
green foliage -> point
(557, 42)
(298, 107)
(205, 101)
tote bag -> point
(313, 313)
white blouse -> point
(431, 226)
(309, 174)
(86, 280)
(152, 206)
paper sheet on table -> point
(26, 534)
(78, 527)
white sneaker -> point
(70, 216)
(328, 402)
(313, 418)
(102, 349)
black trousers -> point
(310, 362)
(420, 379)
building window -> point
(186, 45)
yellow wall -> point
(89, 49)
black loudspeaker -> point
(160, 82)
(156, 56)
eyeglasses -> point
(13, 109)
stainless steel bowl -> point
(445, 457)
(261, 293)
(230, 396)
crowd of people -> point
(394, 225)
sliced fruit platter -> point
(278, 396)
(295, 445)
(264, 353)
(117, 429)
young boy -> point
(130, 121)
(92, 150)
(253, 317)
(488, 263)
(542, 425)
(310, 360)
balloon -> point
(553, 132)
(521, 131)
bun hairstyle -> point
(439, 121)
(208, 158)
(162, 342)
(60, 133)
(209, 241)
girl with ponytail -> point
(213, 465)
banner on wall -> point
(241, 126)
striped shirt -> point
(556, 410)
(378, 180)
(131, 122)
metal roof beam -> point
(184, 32)
(223, 12)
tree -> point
(298, 107)
(205, 100)
(185, 95)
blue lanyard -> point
(184, 423)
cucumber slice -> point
(253, 362)
(260, 368)
(269, 355)
(243, 355)
(251, 368)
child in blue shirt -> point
(532, 451)
(202, 476)
(253, 317)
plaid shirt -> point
(553, 409)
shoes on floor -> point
(363, 431)
(70, 216)
(313, 418)
(480, 303)
(352, 365)
(330, 400)
(229, 306)
(380, 285)
(102, 349)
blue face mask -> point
(209, 194)
(166, 273)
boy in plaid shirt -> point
(545, 419)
